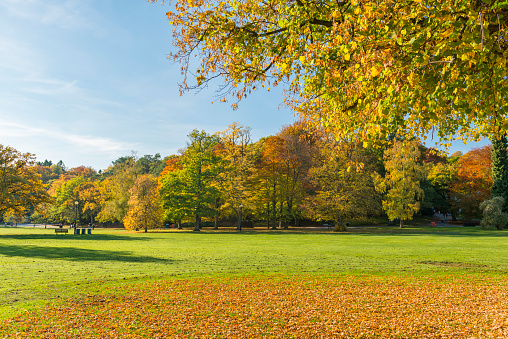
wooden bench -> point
(61, 230)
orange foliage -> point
(280, 307)
(83, 171)
(172, 165)
(473, 181)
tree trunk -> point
(288, 210)
(401, 223)
(215, 225)
(281, 211)
(268, 215)
(197, 222)
(339, 227)
(274, 214)
(179, 224)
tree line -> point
(299, 176)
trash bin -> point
(77, 231)
(89, 231)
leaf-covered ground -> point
(468, 306)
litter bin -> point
(77, 230)
(89, 231)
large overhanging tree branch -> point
(356, 67)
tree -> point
(114, 189)
(357, 67)
(344, 186)
(89, 193)
(238, 153)
(144, 204)
(193, 186)
(66, 193)
(473, 182)
(296, 156)
(21, 188)
(267, 178)
(493, 214)
(86, 172)
(401, 183)
(151, 164)
(441, 176)
(175, 204)
(500, 168)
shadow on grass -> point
(448, 231)
(375, 231)
(70, 237)
(74, 254)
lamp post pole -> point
(239, 228)
(76, 210)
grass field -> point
(116, 272)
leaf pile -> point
(280, 307)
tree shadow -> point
(75, 254)
(444, 232)
(364, 231)
(71, 237)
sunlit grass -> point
(37, 266)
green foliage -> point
(493, 215)
(175, 203)
(151, 164)
(439, 176)
(194, 186)
(500, 168)
(67, 194)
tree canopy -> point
(356, 67)
(21, 188)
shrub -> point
(493, 214)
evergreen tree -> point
(500, 169)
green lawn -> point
(37, 266)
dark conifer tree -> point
(500, 168)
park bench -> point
(61, 230)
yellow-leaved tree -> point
(21, 188)
(401, 184)
(344, 188)
(144, 205)
(362, 68)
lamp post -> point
(239, 228)
(76, 210)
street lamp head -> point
(76, 202)
(241, 206)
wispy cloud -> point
(64, 14)
(82, 142)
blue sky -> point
(88, 81)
